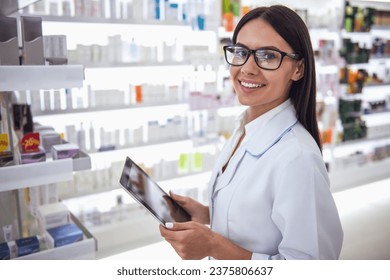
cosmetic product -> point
(6, 158)
(52, 215)
(32, 40)
(9, 48)
(184, 163)
(55, 50)
(4, 142)
(33, 157)
(30, 142)
(138, 94)
(118, 210)
(92, 140)
(7, 230)
(63, 235)
(81, 137)
(70, 134)
(38, 127)
(62, 151)
(22, 117)
(5, 253)
(28, 245)
(49, 138)
(197, 162)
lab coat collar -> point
(277, 126)
(278, 123)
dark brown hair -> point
(293, 30)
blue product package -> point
(65, 234)
(4, 251)
(26, 246)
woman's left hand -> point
(191, 240)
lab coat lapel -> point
(223, 157)
(277, 126)
(259, 144)
(230, 170)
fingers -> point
(176, 197)
(167, 233)
(178, 226)
(181, 200)
(170, 229)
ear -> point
(299, 70)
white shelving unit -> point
(368, 171)
(84, 249)
(36, 77)
(16, 177)
(359, 175)
(117, 75)
(13, 78)
(41, 173)
(107, 74)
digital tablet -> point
(145, 191)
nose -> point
(250, 67)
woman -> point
(269, 192)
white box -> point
(66, 150)
(53, 215)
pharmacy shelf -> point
(41, 173)
(36, 77)
(110, 108)
(343, 179)
(103, 20)
(82, 250)
(136, 64)
(154, 152)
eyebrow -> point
(265, 47)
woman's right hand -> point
(199, 212)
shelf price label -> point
(3, 142)
(30, 142)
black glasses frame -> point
(294, 56)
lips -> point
(251, 85)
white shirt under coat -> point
(274, 197)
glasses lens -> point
(268, 59)
(236, 56)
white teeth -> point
(250, 85)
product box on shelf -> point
(30, 150)
(6, 158)
(63, 235)
(55, 50)
(32, 157)
(5, 253)
(66, 150)
(49, 138)
(80, 244)
(53, 215)
(28, 245)
(8, 250)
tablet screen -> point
(150, 195)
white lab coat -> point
(274, 198)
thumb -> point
(177, 226)
(178, 198)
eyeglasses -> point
(268, 59)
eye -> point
(240, 52)
(267, 55)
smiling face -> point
(263, 90)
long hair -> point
(293, 30)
